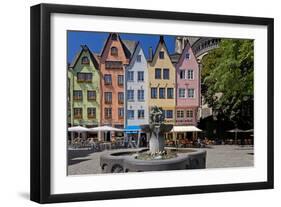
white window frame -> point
(138, 74)
(142, 117)
(181, 113)
(182, 89)
(188, 73)
(184, 76)
(188, 93)
(133, 114)
(130, 72)
(139, 91)
(188, 112)
(139, 58)
(133, 96)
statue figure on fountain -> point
(157, 129)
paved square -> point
(218, 156)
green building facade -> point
(83, 78)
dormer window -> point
(139, 58)
(85, 60)
(114, 51)
(161, 55)
(114, 37)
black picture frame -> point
(41, 95)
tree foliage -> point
(228, 81)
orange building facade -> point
(114, 57)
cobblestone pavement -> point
(218, 156)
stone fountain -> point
(157, 157)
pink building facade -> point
(188, 93)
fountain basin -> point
(118, 162)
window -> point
(121, 113)
(120, 97)
(77, 95)
(77, 113)
(114, 51)
(92, 95)
(107, 79)
(190, 93)
(130, 76)
(166, 74)
(169, 114)
(157, 73)
(181, 92)
(113, 65)
(131, 114)
(120, 79)
(190, 74)
(84, 77)
(88, 77)
(153, 92)
(189, 113)
(130, 95)
(161, 92)
(187, 55)
(85, 60)
(139, 58)
(180, 114)
(161, 55)
(170, 93)
(140, 76)
(114, 36)
(108, 113)
(141, 114)
(92, 113)
(108, 97)
(140, 95)
(182, 74)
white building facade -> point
(136, 90)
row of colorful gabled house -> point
(118, 86)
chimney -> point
(150, 53)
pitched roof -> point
(134, 51)
(78, 55)
(161, 41)
(175, 57)
(180, 55)
(97, 57)
(129, 47)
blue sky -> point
(95, 41)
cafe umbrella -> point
(236, 131)
(104, 129)
(78, 129)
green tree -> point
(228, 81)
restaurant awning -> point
(132, 129)
(185, 129)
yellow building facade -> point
(162, 81)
